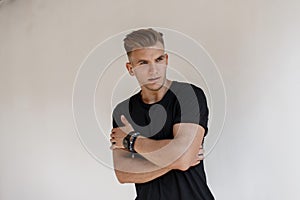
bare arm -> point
(135, 170)
(162, 155)
(138, 169)
(177, 153)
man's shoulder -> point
(185, 86)
(125, 103)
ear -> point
(129, 68)
(167, 58)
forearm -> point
(177, 153)
(181, 152)
(135, 170)
(129, 177)
(163, 153)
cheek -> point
(140, 72)
(140, 75)
(162, 70)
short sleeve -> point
(191, 107)
(114, 123)
(116, 117)
(121, 109)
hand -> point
(198, 157)
(118, 134)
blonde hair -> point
(142, 38)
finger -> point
(201, 151)
(114, 146)
(124, 120)
(196, 163)
(111, 147)
(112, 140)
(201, 156)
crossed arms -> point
(157, 156)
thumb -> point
(124, 120)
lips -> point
(153, 79)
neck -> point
(150, 96)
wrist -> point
(129, 141)
(132, 141)
(126, 141)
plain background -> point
(255, 44)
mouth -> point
(153, 79)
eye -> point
(142, 63)
(160, 59)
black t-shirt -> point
(182, 103)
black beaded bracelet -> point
(132, 141)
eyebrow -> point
(141, 60)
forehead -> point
(147, 53)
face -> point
(149, 66)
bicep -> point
(189, 135)
(192, 108)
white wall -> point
(42, 44)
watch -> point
(132, 141)
(126, 141)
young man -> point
(158, 133)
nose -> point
(152, 68)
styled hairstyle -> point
(142, 38)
